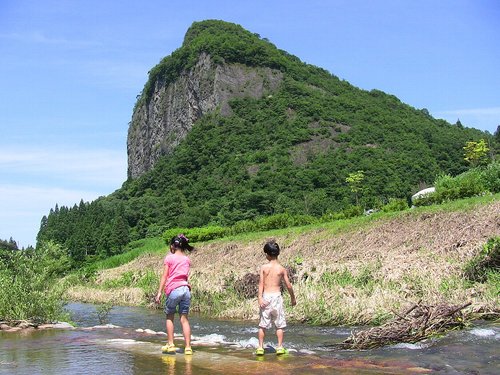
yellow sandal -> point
(169, 348)
(281, 350)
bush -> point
(491, 177)
(206, 233)
(211, 232)
(172, 232)
(331, 216)
(426, 200)
(197, 234)
(243, 226)
(352, 211)
(102, 312)
(487, 260)
(27, 281)
(468, 184)
(395, 205)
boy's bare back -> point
(272, 273)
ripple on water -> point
(484, 332)
(410, 346)
(124, 341)
(212, 338)
(250, 343)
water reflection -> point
(58, 352)
(175, 368)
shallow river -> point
(226, 347)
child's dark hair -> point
(181, 242)
(272, 248)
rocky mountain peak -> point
(170, 105)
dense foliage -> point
(89, 230)
(471, 183)
(287, 153)
(27, 283)
(8, 245)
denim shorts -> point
(181, 297)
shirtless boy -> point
(270, 299)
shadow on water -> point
(226, 347)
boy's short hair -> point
(272, 248)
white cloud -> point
(89, 166)
(21, 200)
(33, 180)
(38, 37)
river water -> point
(130, 344)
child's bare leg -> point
(279, 335)
(186, 330)
(262, 334)
(170, 329)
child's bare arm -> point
(163, 280)
(262, 304)
(289, 287)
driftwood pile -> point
(417, 323)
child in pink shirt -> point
(174, 282)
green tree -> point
(355, 182)
(476, 153)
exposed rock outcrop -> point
(159, 124)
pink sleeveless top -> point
(178, 271)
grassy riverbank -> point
(356, 271)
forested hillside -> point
(288, 151)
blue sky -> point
(70, 72)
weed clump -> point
(248, 286)
(487, 260)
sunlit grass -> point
(137, 248)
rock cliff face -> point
(159, 125)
